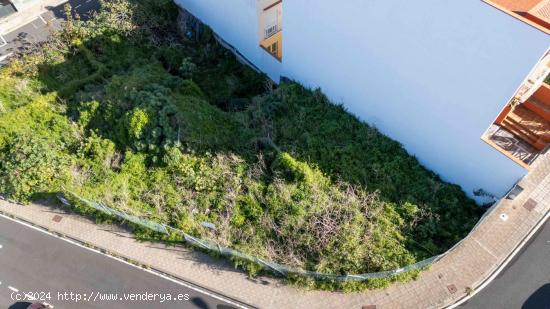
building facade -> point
(439, 76)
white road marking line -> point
(42, 19)
(2, 58)
(13, 289)
(1, 246)
(3, 41)
(182, 283)
(76, 7)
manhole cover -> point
(452, 288)
(503, 217)
(530, 204)
(57, 218)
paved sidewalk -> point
(466, 266)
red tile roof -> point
(534, 12)
(516, 6)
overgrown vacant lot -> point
(122, 110)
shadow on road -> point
(538, 300)
(20, 305)
(197, 301)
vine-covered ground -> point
(122, 110)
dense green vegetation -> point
(122, 110)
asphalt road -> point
(525, 283)
(51, 269)
(27, 36)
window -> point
(274, 48)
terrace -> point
(522, 129)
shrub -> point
(31, 165)
(181, 133)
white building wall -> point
(236, 21)
(432, 74)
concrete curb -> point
(502, 266)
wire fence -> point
(228, 252)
